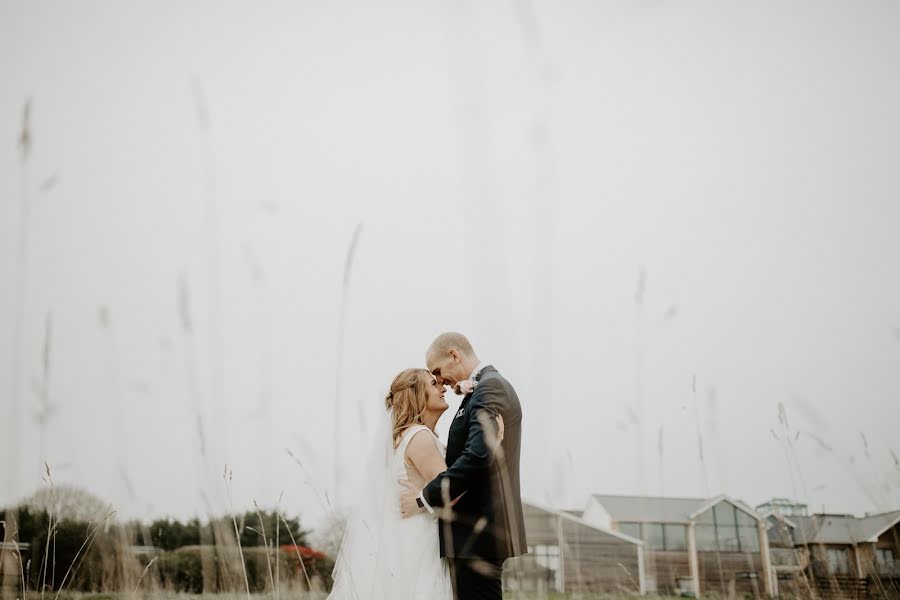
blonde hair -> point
(407, 397)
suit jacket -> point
(487, 521)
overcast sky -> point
(660, 220)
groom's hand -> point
(408, 495)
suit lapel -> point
(462, 405)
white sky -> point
(515, 167)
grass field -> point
(317, 596)
(314, 596)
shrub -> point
(104, 563)
(183, 569)
(109, 562)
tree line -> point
(254, 549)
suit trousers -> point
(476, 579)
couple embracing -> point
(434, 522)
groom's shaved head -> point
(450, 358)
(451, 340)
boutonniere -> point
(464, 387)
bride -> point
(382, 555)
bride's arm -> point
(422, 452)
(424, 455)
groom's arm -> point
(475, 462)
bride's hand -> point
(500, 430)
(408, 495)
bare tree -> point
(68, 502)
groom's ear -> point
(454, 353)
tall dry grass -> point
(106, 560)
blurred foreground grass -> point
(318, 595)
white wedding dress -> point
(383, 556)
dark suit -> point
(486, 525)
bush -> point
(183, 569)
(105, 563)
(169, 534)
(108, 562)
(26, 522)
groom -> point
(485, 525)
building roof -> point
(874, 525)
(650, 509)
(843, 529)
(774, 514)
(741, 505)
(567, 515)
(783, 506)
